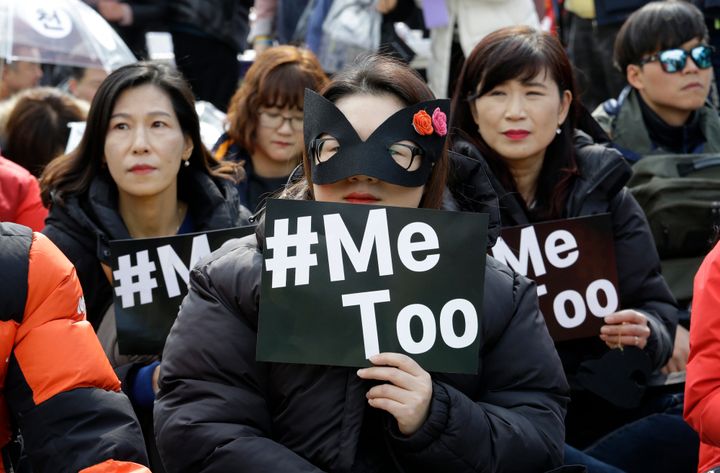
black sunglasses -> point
(674, 60)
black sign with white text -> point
(342, 282)
(573, 263)
(150, 278)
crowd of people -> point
(526, 137)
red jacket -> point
(56, 383)
(20, 196)
(702, 386)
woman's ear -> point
(474, 115)
(187, 152)
(565, 102)
(473, 110)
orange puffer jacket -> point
(56, 385)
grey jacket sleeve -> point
(642, 286)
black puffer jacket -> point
(84, 225)
(600, 189)
(220, 410)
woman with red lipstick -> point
(515, 108)
(375, 135)
(265, 119)
(140, 171)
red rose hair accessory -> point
(439, 121)
(422, 123)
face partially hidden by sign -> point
(366, 149)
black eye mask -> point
(371, 157)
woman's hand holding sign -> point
(407, 393)
(625, 328)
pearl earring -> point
(558, 131)
(186, 162)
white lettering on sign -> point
(578, 312)
(138, 279)
(557, 242)
(282, 241)
(446, 323)
(338, 238)
(529, 252)
(171, 264)
(406, 247)
(135, 279)
(402, 326)
(367, 300)
(591, 296)
(561, 251)
(377, 235)
(579, 309)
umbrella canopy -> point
(64, 32)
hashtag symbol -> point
(281, 241)
(135, 279)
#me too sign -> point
(150, 279)
(573, 263)
(343, 282)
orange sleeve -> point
(56, 348)
(702, 385)
(221, 150)
(112, 466)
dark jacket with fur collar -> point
(600, 189)
(84, 225)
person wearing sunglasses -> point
(663, 51)
(265, 120)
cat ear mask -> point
(424, 124)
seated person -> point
(58, 387)
(663, 50)
(265, 121)
(516, 109)
(221, 410)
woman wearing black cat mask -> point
(374, 136)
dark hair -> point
(37, 127)
(77, 73)
(72, 173)
(278, 77)
(377, 74)
(657, 26)
(520, 53)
